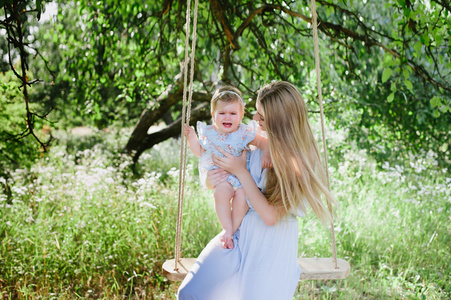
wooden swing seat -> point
(183, 266)
(311, 268)
(323, 268)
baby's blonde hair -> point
(297, 175)
(226, 93)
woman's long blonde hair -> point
(297, 175)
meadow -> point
(83, 223)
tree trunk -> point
(200, 113)
(140, 140)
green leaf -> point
(417, 47)
(407, 12)
(386, 74)
(39, 8)
(139, 73)
(408, 84)
(425, 39)
(436, 101)
(393, 87)
(329, 11)
(391, 97)
(406, 73)
(388, 59)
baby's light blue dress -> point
(262, 265)
(234, 143)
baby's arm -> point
(193, 140)
(262, 143)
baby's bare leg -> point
(223, 194)
(239, 208)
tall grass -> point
(81, 224)
(394, 228)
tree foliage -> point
(21, 117)
(12, 115)
(385, 64)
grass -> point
(80, 224)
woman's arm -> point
(237, 166)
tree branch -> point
(200, 113)
(165, 7)
(218, 10)
(171, 96)
(445, 3)
(14, 29)
(335, 30)
(264, 8)
(261, 41)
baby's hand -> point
(187, 130)
(266, 160)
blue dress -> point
(262, 265)
(234, 143)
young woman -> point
(263, 265)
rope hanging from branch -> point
(186, 113)
(320, 99)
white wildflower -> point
(148, 205)
(343, 168)
(173, 172)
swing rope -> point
(186, 114)
(320, 98)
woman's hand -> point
(231, 163)
(215, 177)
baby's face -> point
(228, 116)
